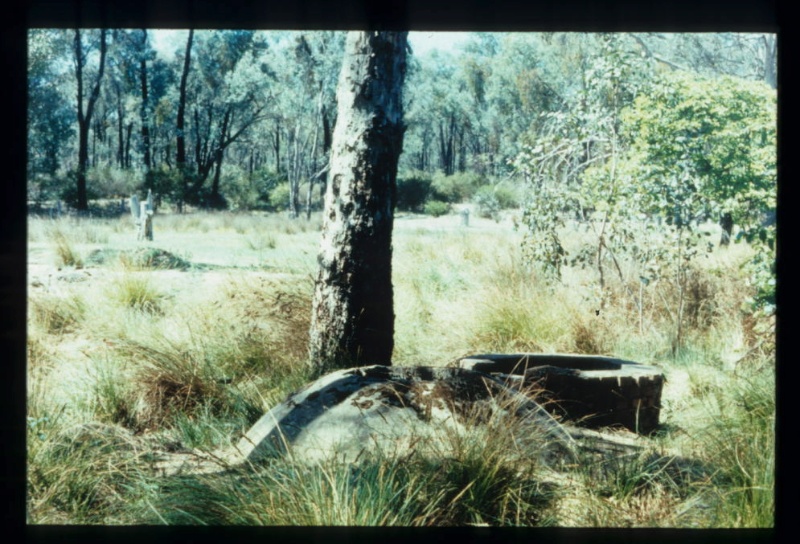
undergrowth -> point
(195, 371)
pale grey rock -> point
(348, 412)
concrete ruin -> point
(585, 390)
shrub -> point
(165, 184)
(112, 182)
(436, 208)
(69, 192)
(487, 203)
(413, 191)
(266, 181)
(279, 197)
(240, 189)
(457, 188)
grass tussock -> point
(56, 314)
(222, 364)
(66, 252)
(515, 316)
(740, 441)
(80, 475)
(464, 479)
(136, 292)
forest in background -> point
(675, 127)
(241, 119)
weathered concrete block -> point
(347, 411)
(588, 390)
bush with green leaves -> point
(412, 191)
(459, 187)
(436, 208)
(487, 202)
(266, 181)
(165, 183)
(113, 182)
(279, 197)
(709, 145)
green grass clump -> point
(66, 253)
(517, 317)
(153, 259)
(57, 315)
(461, 478)
(136, 292)
(740, 441)
(79, 475)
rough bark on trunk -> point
(353, 316)
(85, 117)
(180, 143)
(144, 106)
(726, 222)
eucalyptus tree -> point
(180, 133)
(50, 114)
(123, 84)
(144, 53)
(304, 68)
(745, 55)
(353, 313)
(219, 116)
(85, 110)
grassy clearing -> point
(147, 356)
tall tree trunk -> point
(726, 222)
(353, 316)
(128, 145)
(294, 176)
(120, 129)
(276, 146)
(180, 156)
(216, 200)
(310, 190)
(770, 60)
(85, 116)
(144, 108)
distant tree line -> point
(244, 119)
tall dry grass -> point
(195, 370)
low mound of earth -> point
(145, 257)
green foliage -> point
(543, 216)
(113, 182)
(279, 197)
(722, 136)
(487, 202)
(710, 146)
(741, 440)
(267, 182)
(459, 187)
(69, 189)
(413, 190)
(436, 208)
(166, 183)
(491, 200)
